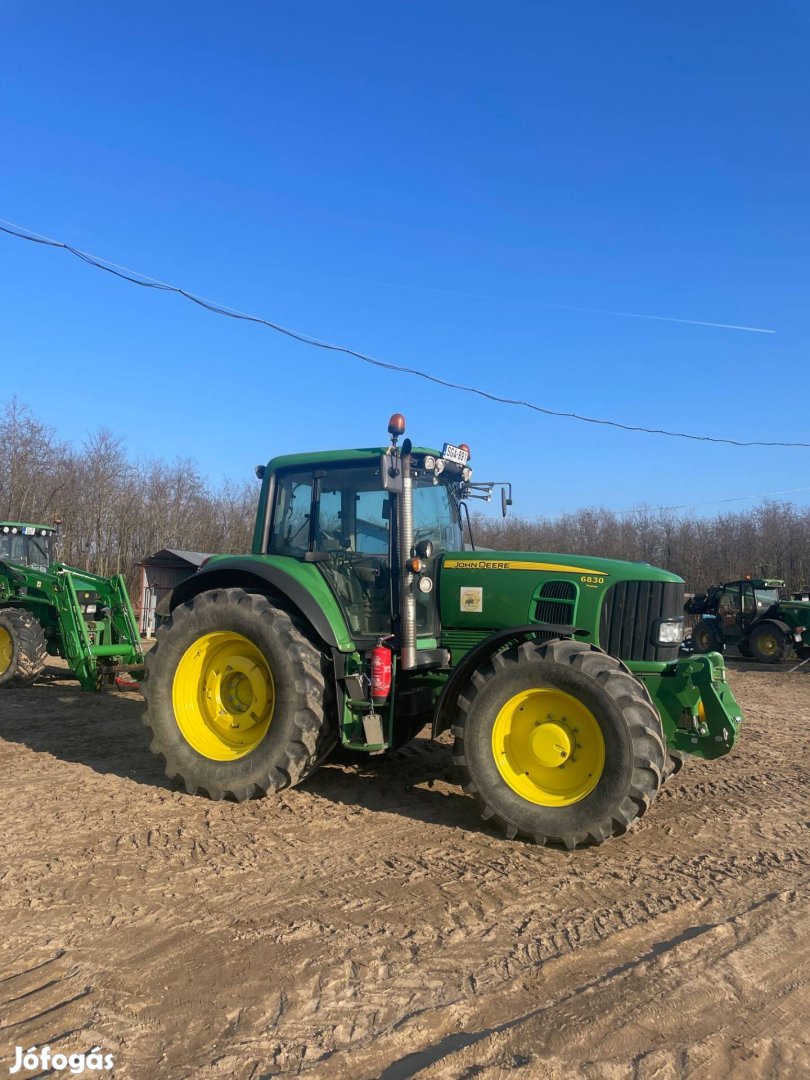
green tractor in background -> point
(47, 607)
(750, 614)
(362, 616)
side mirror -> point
(505, 501)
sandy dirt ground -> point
(367, 925)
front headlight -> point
(669, 631)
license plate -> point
(455, 453)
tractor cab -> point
(376, 522)
(27, 545)
(740, 603)
(339, 515)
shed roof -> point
(170, 555)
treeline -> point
(772, 540)
(114, 511)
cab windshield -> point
(32, 551)
(436, 517)
(765, 599)
(353, 513)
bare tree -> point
(116, 510)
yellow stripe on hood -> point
(514, 564)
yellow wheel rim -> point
(548, 747)
(223, 696)
(768, 644)
(6, 650)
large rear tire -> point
(769, 644)
(239, 701)
(558, 743)
(22, 648)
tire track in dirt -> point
(681, 995)
(367, 916)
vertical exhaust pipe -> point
(407, 601)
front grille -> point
(628, 612)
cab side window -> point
(371, 522)
(730, 600)
(290, 533)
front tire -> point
(706, 638)
(559, 743)
(238, 697)
(22, 648)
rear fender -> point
(322, 613)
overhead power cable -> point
(146, 282)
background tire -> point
(629, 727)
(706, 638)
(769, 644)
(22, 648)
(269, 669)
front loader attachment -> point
(99, 639)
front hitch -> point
(699, 713)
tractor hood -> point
(496, 590)
(800, 607)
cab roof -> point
(21, 526)
(336, 457)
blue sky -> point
(438, 185)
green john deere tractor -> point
(362, 615)
(751, 614)
(47, 607)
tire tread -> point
(314, 733)
(30, 642)
(643, 722)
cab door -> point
(354, 528)
(729, 610)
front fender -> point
(481, 652)
(783, 626)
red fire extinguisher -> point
(380, 672)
